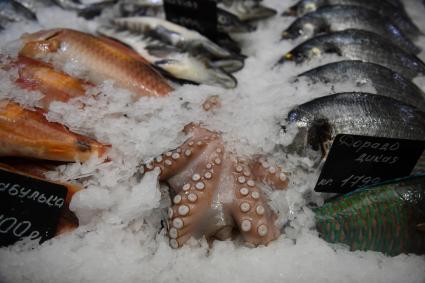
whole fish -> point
(176, 62)
(321, 120)
(358, 45)
(180, 37)
(385, 81)
(393, 10)
(26, 133)
(55, 85)
(338, 18)
(247, 10)
(100, 59)
(388, 218)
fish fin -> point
(421, 227)
(161, 51)
(229, 65)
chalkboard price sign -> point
(199, 15)
(28, 208)
(358, 161)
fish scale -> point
(339, 17)
(385, 81)
(393, 10)
(100, 60)
(381, 218)
(359, 45)
(355, 113)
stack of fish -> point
(182, 53)
(179, 53)
(375, 42)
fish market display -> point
(358, 45)
(389, 218)
(95, 101)
(216, 191)
(338, 18)
(100, 60)
(321, 119)
(183, 53)
(26, 133)
(389, 9)
(385, 81)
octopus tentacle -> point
(268, 172)
(250, 210)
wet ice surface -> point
(120, 237)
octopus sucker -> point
(100, 58)
(27, 133)
(215, 192)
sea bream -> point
(337, 18)
(182, 38)
(392, 10)
(385, 81)
(99, 59)
(175, 62)
(321, 120)
(358, 45)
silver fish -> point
(393, 10)
(339, 17)
(247, 10)
(181, 38)
(358, 45)
(385, 81)
(178, 63)
(321, 120)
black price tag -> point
(199, 15)
(358, 161)
(28, 208)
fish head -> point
(303, 7)
(305, 26)
(40, 43)
(231, 23)
(313, 133)
(296, 55)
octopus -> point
(216, 193)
